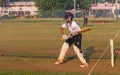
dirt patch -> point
(47, 65)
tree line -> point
(51, 5)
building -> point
(108, 8)
(18, 8)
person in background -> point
(85, 23)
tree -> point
(0, 1)
(61, 4)
(84, 4)
(65, 4)
(47, 5)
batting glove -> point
(64, 36)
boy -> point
(75, 39)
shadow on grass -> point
(70, 58)
(87, 53)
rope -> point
(116, 35)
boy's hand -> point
(64, 36)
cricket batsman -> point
(73, 40)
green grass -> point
(45, 73)
(26, 43)
(38, 73)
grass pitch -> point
(32, 47)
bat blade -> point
(85, 30)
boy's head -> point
(68, 17)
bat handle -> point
(62, 39)
(65, 39)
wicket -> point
(112, 52)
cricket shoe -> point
(84, 65)
(58, 62)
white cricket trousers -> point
(65, 48)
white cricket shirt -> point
(73, 28)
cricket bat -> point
(82, 31)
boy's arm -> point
(64, 36)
